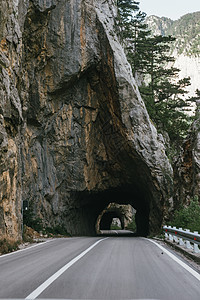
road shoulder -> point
(191, 258)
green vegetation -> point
(132, 226)
(125, 11)
(32, 221)
(57, 230)
(186, 29)
(8, 245)
(149, 56)
(188, 217)
(190, 37)
(115, 227)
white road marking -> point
(18, 251)
(51, 279)
(180, 262)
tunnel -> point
(107, 219)
(116, 224)
(123, 196)
(93, 204)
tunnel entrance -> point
(116, 224)
(107, 221)
(95, 210)
(115, 217)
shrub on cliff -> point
(32, 221)
(8, 245)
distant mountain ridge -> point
(186, 30)
(186, 49)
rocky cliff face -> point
(75, 134)
(187, 169)
(11, 120)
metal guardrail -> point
(183, 237)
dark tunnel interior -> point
(92, 205)
(107, 219)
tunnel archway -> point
(116, 224)
(124, 214)
(90, 206)
(107, 219)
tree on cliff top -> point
(162, 93)
(150, 57)
(125, 16)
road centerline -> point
(56, 275)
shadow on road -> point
(119, 233)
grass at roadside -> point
(8, 245)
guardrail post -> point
(181, 242)
(196, 248)
(175, 239)
(188, 245)
(166, 235)
(174, 235)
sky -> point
(172, 9)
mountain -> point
(186, 49)
(186, 30)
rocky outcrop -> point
(10, 120)
(75, 134)
(187, 169)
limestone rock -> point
(75, 133)
(10, 121)
(187, 170)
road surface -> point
(96, 268)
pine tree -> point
(162, 92)
(150, 57)
(126, 9)
(136, 49)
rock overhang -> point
(86, 132)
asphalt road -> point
(96, 268)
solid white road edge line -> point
(51, 279)
(180, 262)
(21, 250)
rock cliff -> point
(75, 134)
(187, 169)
